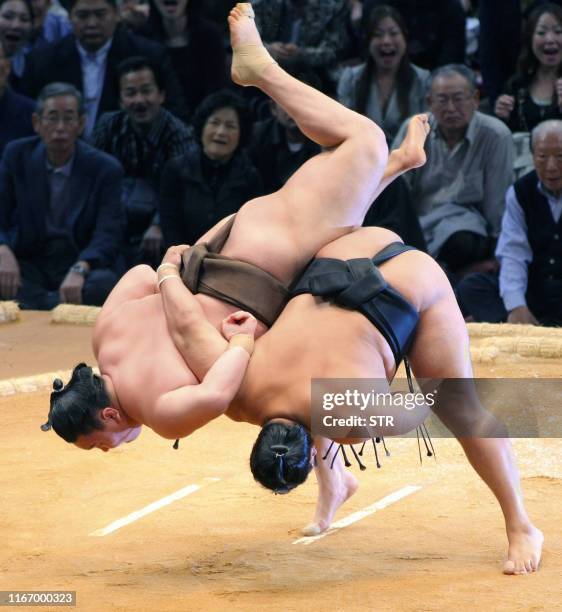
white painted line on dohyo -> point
(134, 516)
(361, 514)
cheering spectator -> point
(535, 92)
(202, 187)
(387, 87)
(89, 57)
(143, 137)
(436, 29)
(16, 24)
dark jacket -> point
(200, 66)
(15, 117)
(97, 218)
(272, 157)
(395, 210)
(544, 290)
(60, 61)
(191, 202)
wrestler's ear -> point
(110, 414)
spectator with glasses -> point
(459, 193)
(61, 218)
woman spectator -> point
(194, 44)
(16, 26)
(534, 94)
(201, 187)
(387, 87)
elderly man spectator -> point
(143, 137)
(529, 286)
(15, 110)
(305, 34)
(459, 194)
(88, 58)
(61, 217)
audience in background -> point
(204, 186)
(278, 147)
(133, 13)
(529, 286)
(194, 44)
(459, 193)
(143, 137)
(395, 210)
(16, 26)
(387, 87)
(61, 218)
(48, 26)
(534, 94)
(305, 34)
(436, 29)
(15, 110)
(500, 25)
(88, 59)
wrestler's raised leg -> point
(331, 193)
(335, 486)
(409, 155)
(441, 350)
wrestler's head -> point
(282, 455)
(81, 413)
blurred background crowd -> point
(121, 134)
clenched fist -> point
(239, 322)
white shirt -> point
(93, 76)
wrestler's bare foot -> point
(524, 552)
(330, 497)
(249, 56)
(411, 154)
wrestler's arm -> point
(180, 412)
(197, 341)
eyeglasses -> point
(53, 120)
(456, 99)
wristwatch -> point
(78, 268)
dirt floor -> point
(230, 545)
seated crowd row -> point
(75, 216)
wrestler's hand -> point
(522, 315)
(174, 253)
(239, 322)
(10, 277)
(70, 291)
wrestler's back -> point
(313, 339)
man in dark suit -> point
(15, 110)
(88, 58)
(61, 218)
